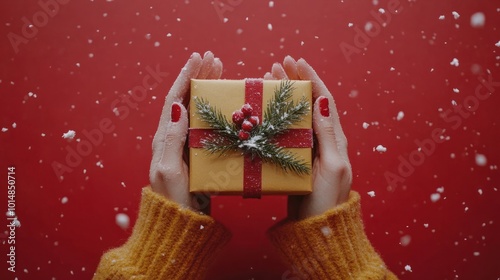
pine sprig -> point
(215, 119)
(272, 153)
(280, 114)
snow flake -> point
(69, 135)
(17, 223)
(122, 220)
(408, 268)
(368, 26)
(481, 160)
(405, 240)
(455, 14)
(326, 231)
(477, 20)
(381, 149)
(371, 193)
(64, 200)
(400, 115)
(455, 62)
(435, 197)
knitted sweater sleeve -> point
(329, 246)
(167, 242)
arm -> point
(167, 242)
(171, 239)
(323, 237)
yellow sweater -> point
(169, 242)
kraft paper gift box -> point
(234, 173)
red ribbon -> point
(252, 168)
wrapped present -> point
(250, 137)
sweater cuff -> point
(167, 242)
(329, 246)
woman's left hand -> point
(169, 174)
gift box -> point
(242, 171)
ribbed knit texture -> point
(167, 242)
(329, 246)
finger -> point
(324, 128)
(177, 93)
(207, 65)
(306, 72)
(278, 72)
(169, 173)
(216, 71)
(290, 66)
(268, 76)
(175, 138)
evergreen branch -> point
(271, 153)
(215, 119)
(287, 161)
(281, 112)
(218, 144)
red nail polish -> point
(323, 107)
(175, 113)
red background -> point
(92, 52)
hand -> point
(169, 173)
(332, 175)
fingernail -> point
(175, 113)
(323, 107)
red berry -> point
(247, 126)
(238, 117)
(247, 110)
(243, 135)
(254, 120)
